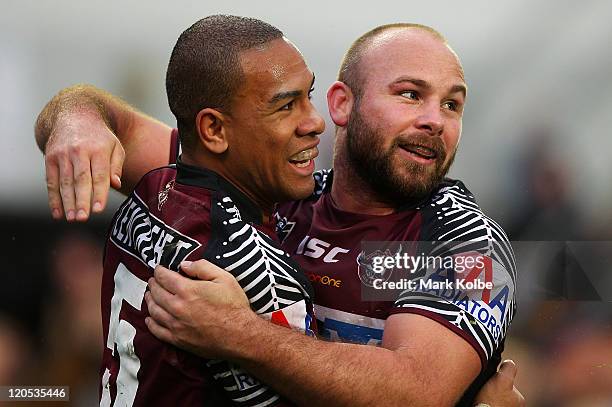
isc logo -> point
(315, 248)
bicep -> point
(147, 147)
(442, 360)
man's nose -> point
(430, 119)
(312, 123)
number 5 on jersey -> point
(130, 288)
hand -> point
(197, 315)
(82, 158)
(499, 391)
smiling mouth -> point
(302, 159)
(421, 151)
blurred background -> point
(535, 152)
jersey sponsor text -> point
(144, 236)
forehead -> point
(273, 66)
(410, 52)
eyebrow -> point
(426, 85)
(290, 94)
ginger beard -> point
(395, 180)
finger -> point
(100, 176)
(520, 399)
(116, 165)
(508, 367)
(160, 315)
(161, 333)
(204, 270)
(82, 187)
(170, 280)
(53, 188)
(162, 297)
(66, 182)
(508, 370)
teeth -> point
(303, 164)
(304, 155)
(422, 151)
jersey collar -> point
(202, 177)
(404, 206)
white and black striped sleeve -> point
(474, 298)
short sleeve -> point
(467, 278)
(476, 303)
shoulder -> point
(156, 224)
(152, 181)
(469, 276)
(453, 215)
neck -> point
(351, 193)
(214, 164)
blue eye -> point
(450, 105)
(410, 94)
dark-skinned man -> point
(397, 106)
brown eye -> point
(288, 106)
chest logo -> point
(366, 270)
(162, 196)
(317, 248)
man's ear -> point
(211, 125)
(340, 103)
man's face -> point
(274, 128)
(404, 130)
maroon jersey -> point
(327, 242)
(176, 213)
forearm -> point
(84, 123)
(421, 362)
(329, 373)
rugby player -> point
(397, 106)
(240, 92)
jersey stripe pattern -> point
(269, 278)
(461, 227)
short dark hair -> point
(204, 69)
(350, 70)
